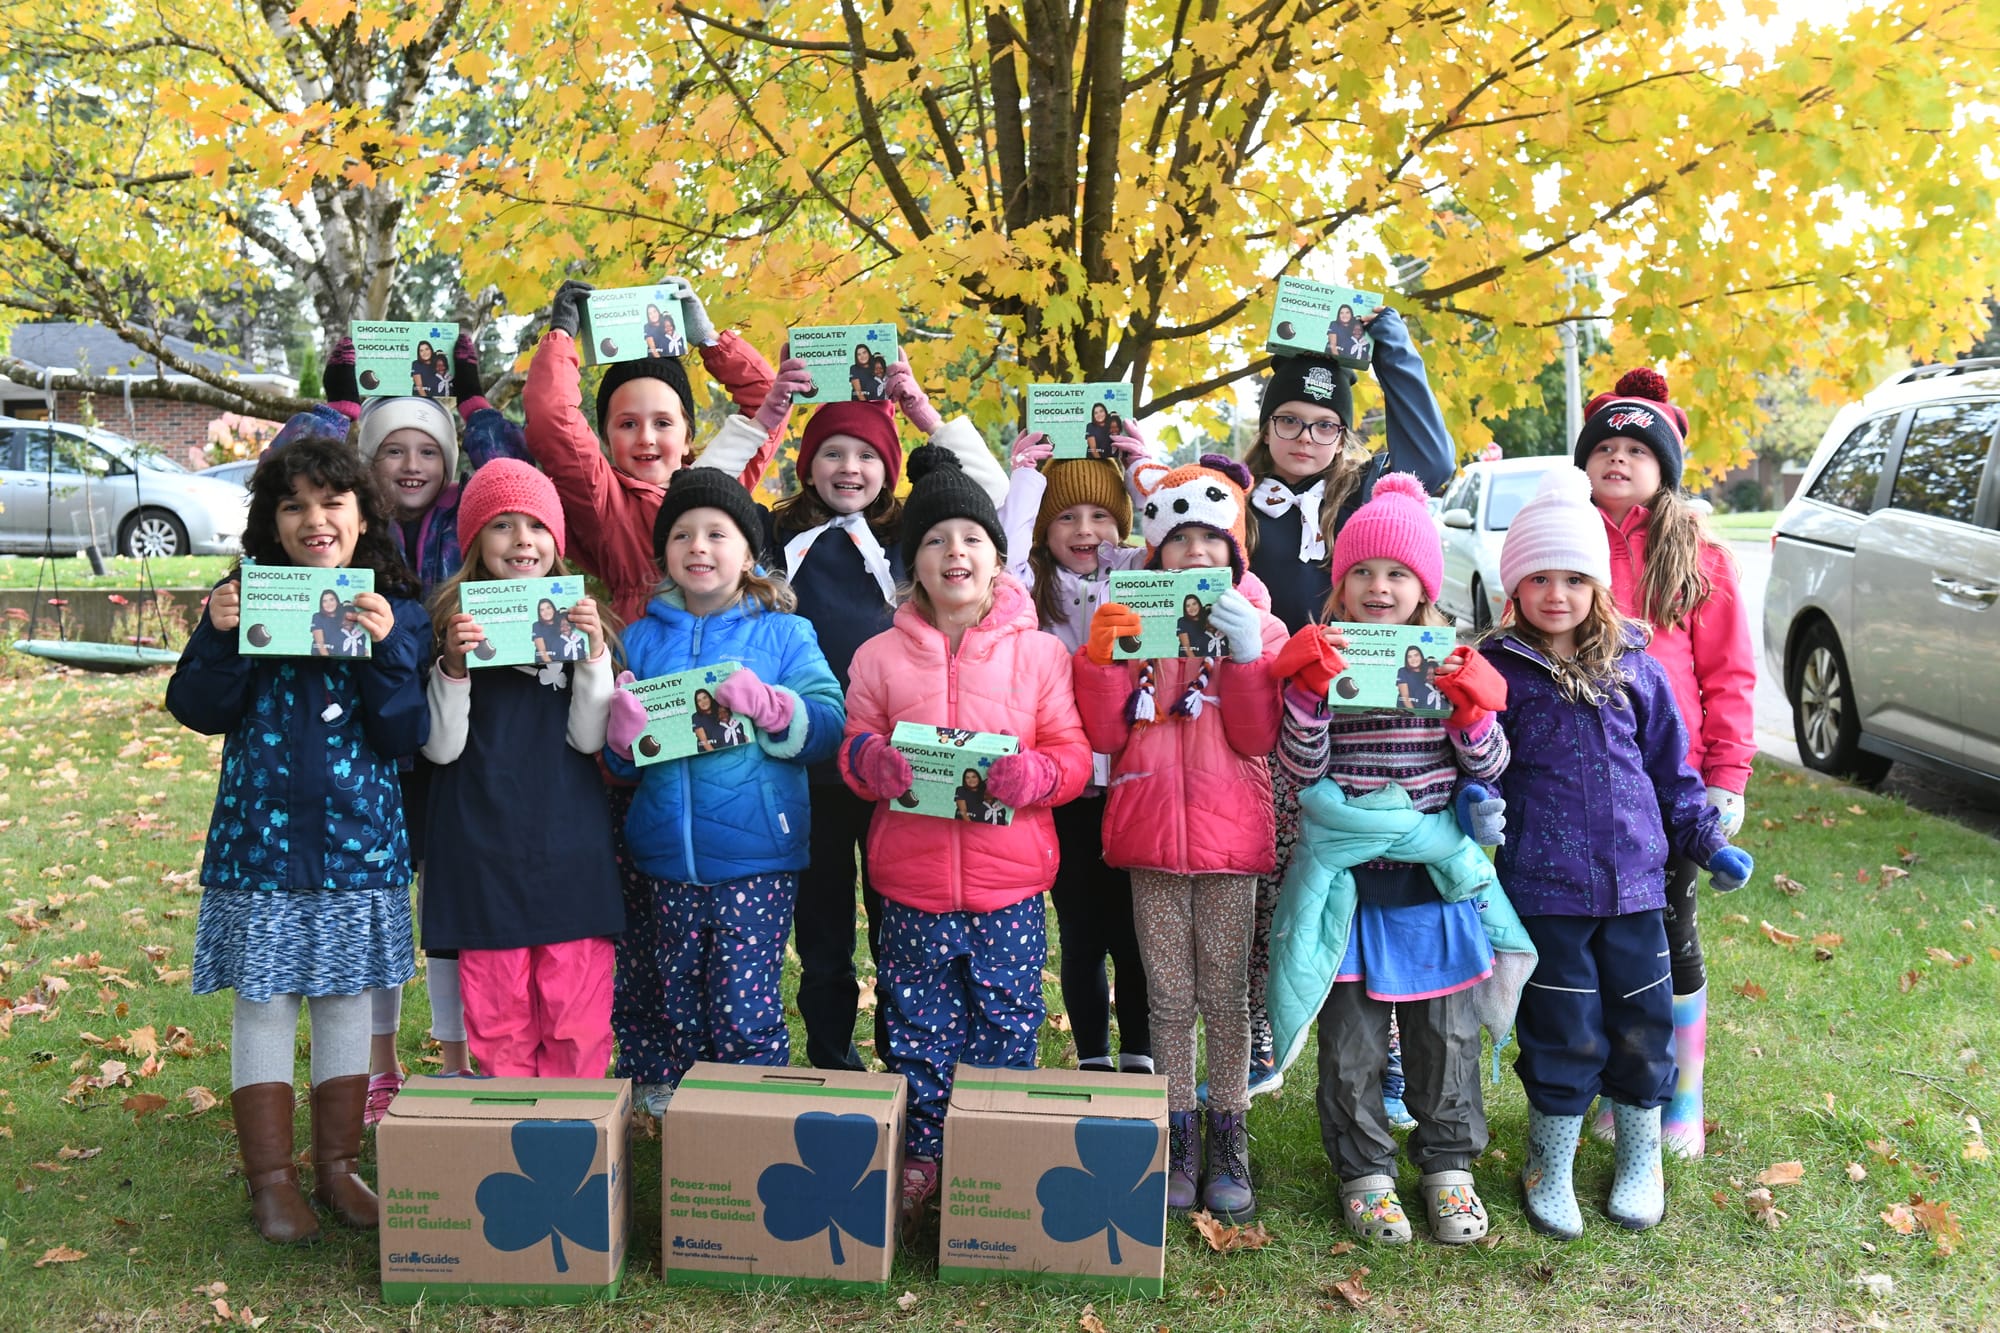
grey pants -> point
(1194, 937)
(1441, 1073)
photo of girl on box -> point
(547, 633)
(863, 376)
(663, 338)
(709, 729)
(326, 625)
(1097, 432)
(572, 639)
(971, 797)
(1345, 336)
(1193, 629)
(1413, 680)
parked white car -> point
(1473, 517)
(1879, 617)
(63, 486)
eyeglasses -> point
(1288, 427)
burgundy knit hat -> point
(870, 423)
(508, 486)
(1393, 525)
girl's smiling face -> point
(1194, 547)
(1556, 602)
(1380, 592)
(847, 474)
(329, 602)
(319, 528)
(516, 546)
(955, 564)
(647, 428)
(1076, 535)
(409, 469)
(1623, 473)
(1304, 457)
(706, 556)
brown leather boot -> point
(264, 1136)
(337, 1105)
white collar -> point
(1275, 498)
(873, 558)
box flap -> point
(425, 1098)
(1059, 1092)
(714, 1087)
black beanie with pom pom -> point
(1637, 408)
(941, 490)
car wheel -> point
(153, 534)
(1482, 611)
(1825, 720)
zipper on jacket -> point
(687, 786)
(951, 714)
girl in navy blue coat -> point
(722, 834)
(306, 873)
(1599, 793)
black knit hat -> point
(1308, 379)
(707, 488)
(664, 368)
(1637, 409)
(941, 490)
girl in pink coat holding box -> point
(1190, 812)
(964, 937)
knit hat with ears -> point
(940, 490)
(507, 486)
(382, 416)
(1083, 481)
(1308, 379)
(1558, 529)
(1637, 408)
(1393, 525)
(663, 368)
(871, 423)
(1210, 493)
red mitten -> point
(1309, 660)
(1476, 690)
(1027, 778)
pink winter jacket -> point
(1006, 677)
(1191, 796)
(1707, 658)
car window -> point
(1850, 479)
(10, 454)
(68, 451)
(1944, 457)
(1511, 490)
(1453, 495)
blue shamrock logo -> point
(555, 1196)
(341, 581)
(436, 332)
(709, 679)
(1113, 1191)
(828, 1190)
(1203, 584)
(873, 335)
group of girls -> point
(573, 902)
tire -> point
(153, 533)
(1825, 720)
(1482, 612)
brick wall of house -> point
(180, 430)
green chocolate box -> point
(1173, 607)
(395, 359)
(950, 765)
(631, 324)
(1391, 667)
(849, 362)
(683, 716)
(525, 620)
(1080, 419)
(299, 611)
(1320, 320)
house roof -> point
(99, 351)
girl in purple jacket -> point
(1601, 794)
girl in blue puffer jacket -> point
(721, 833)
(1601, 794)
(305, 879)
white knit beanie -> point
(1559, 529)
(381, 417)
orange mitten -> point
(1113, 621)
(1476, 690)
(1310, 660)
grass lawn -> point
(1749, 526)
(1852, 1035)
(120, 571)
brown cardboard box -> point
(773, 1176)
(1055, 1176)
(504, 1191)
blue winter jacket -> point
(308, 797)
(1598, 795)
(741, 811)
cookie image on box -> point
(1346, 688)
(908, 800)
(1130, 642)
(608, 347)
(370, 380)
(1286, 329)
(809, 391)
(259, 636)
(649, 746)
(485, 651)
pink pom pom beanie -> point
(1393, 525)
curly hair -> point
(334, 466)
(1593, 673)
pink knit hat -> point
(508, 486)
(1393, 525)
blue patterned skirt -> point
(265, 942)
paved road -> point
(1932, 792)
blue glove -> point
(1482, 816)
(1730, 869)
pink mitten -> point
(628, 718)
(744, 694)
(1031, 448)
(901, 388)
(882, 767)
(793, 379)
(1130, 444)
(1027, 778)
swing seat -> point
(110, 657)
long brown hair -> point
(804, 508)
(1341, 476)
(333, 466)
(1042, 563)
(1591, 675)
(1674, 584)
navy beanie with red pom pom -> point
(1637, 408)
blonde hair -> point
(443, 604)
(1592, 674)
(1341, 475)
(1674, 584)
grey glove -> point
(1482, 816)
(1239, 623)
(700, 328)
(566, 311)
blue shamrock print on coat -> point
(555, 1196)
(829, 1192)
(1113, 1191)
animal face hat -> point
(1211, 493)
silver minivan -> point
(65, 487)
(1880, 615)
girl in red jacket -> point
(963, 937)
(1190, 815)
(1668, 572)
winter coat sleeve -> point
(490, 435)
(1725, 673)
(867, 714)
(561, 442)
(742, 369)
(1101, 692)
(589, 703)
(1304, 748)
(1252, 702)
(818, 712)
(1017, 519)
(1482, 757)
(1693, 826)
(212, 684)
(736, 449)
(1417, 439)
(1059, 731)
(963, 439)
(450, 701)
(395, 716)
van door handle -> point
(1971, 592)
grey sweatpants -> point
(1441, 1088)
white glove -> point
(1238, 621)
(1730, 803)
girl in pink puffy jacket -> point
(1190, 813)
(963, 937)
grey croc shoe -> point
(1369, 1206)
(1456, 1215)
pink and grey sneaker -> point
(920, 1186)
(382, 1089)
